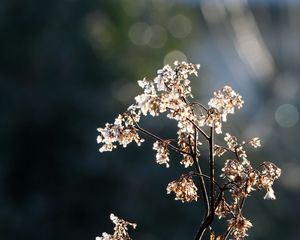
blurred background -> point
(69, 66)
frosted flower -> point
(120, 230)
(162, 154)
(184, 188)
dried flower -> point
(222, 209)
(223, 103)
(214, 119)
(234, 171)
(251, 181)
(121, 131)
(239, 227)
(186, 143)
(231, 141)
(184, 188)
(267, 175)
(170, 92)
(162, 155)
(255, 142)
(187, 160)
(120, 230)
(219, 151)
(270, 194)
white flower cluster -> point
(224, 102)
(162, 155)
(122, 131)
(166, 93)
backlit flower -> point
(162, 152)
(239, 227)
(120, 230)
(184, 188)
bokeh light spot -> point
(287, 115)
(163, 5)
(291, 180)
(140, 33)
(159, 37)
(134, 8)
(180, 26)
(172, 56)
(99, 31)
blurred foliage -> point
(69, 66)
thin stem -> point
(159, 139)
(199, 104)
(207, 177)
(199, 129)
(209, 219)
(243, 199)
(242, 203)
(204, 225)
(236, 154)
(227, 233)
(199, 171)
(202, 186)
(212, 168)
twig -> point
(159, 139)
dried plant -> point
(170, 92)
(120, 230)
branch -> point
(212, 169)
(159, 139)
(199, 104)
(199, 129)
(207, 177)
(209, 219)
(227, 233)
(199, 171)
